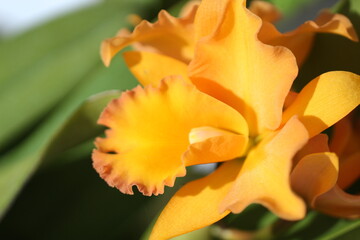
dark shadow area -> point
(72, 202)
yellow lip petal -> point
(232, 65)
(196, 205)
(149, 131)
(301, 39)
(314, 175)
(325, 100)
(170, 36)
(338, 203)
(150, 68)
(265, 10)
(264, 177)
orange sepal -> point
(196, 204)
(325, 100)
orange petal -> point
(349, 170)
(149, 131)
(338, 203)
(233, 66)
(300, 40)
(314, 175)
(209, 145)
(325, 100)
(170, 36)
(150, 68)
(265, 10)
(196, 205)
(317, 144)
(341, 136)
(264, 177)
(290, 98)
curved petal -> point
(149, 131)
(233, 66)
(317, 144)
(264, 177)
(341, 136)
(338, 203)
(349, 170)
(224, 146)
(265, 10)
(314, 175)
(170, 36)
(300, 40)
(196, 205)
(151, 68)
(325, 100)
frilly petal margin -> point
(325, 100)
(202, 197)
(265, 10)
(151, 68)
(170, 36)
(227, 65)
(265, 175)
(301, 39)
(149, 132)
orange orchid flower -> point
(321, 176)
(226, 105)
(175, 37)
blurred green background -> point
(48, 189)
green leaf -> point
(81, 126)
(45, 76)
(66, 79)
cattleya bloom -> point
(214, 93)
(322, 172)
(176, 37)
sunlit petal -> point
(325, 100)
(196, 205)
(151, 68)
(264, 177)
(149, 131)
(300, 40)
(169, 36)
(227, 65)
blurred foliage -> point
(48, 127)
